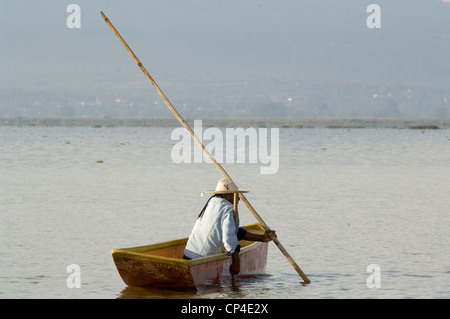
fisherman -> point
(216, 230)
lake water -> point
(342, 200)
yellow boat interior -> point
(172, 251)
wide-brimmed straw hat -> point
(226, 186)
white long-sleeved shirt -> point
(214, 232)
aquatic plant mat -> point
(337, 123)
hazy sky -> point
(285, 38)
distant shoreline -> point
(335, 123)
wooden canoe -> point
(162, 265)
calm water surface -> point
(341, 201)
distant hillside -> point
(205, 96)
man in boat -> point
(217, 227)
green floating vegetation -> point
(345, 126)
(423, 127)
(291, 126)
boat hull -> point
(162, 265)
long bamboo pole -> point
(235, 212)
(204, 150)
